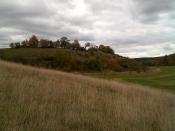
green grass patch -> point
(160, 77)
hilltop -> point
(68, 56)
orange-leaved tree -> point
(33, 41)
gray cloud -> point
(134, 28)
(155, 6)
(153, 10)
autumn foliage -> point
(67, 55)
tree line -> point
(63, 42)
(167, 60)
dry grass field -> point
(34, 99)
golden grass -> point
(34, 99)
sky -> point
(133, 28)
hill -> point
(168, 60)
(70, 60)
(41, 100)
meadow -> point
(157, 77)
(48, 100)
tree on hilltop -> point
(106, 49)
(24, 44)
(64, 42)
(87, 45)
(76, 45)
(33, 41)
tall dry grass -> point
(34, 99)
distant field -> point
(33, 99)
(159, 77)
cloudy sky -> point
(134, 28)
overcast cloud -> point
(134, 28)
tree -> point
(106, 49)
(64, 42)
(110, 50)
(44, 43)
(17, 45)
(87, 45)
(93, 48)
(102, 48)
(82, 49)
(24, 43)
(76, 45)
(56, 44)
(51, 44)
(33, 41)
(12, 45)
(93, 64)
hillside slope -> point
(168, 60)
(70, 60)
(41, 100)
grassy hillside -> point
(158, 77)
(70, 60)
(43, 100)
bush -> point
(93, 65)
